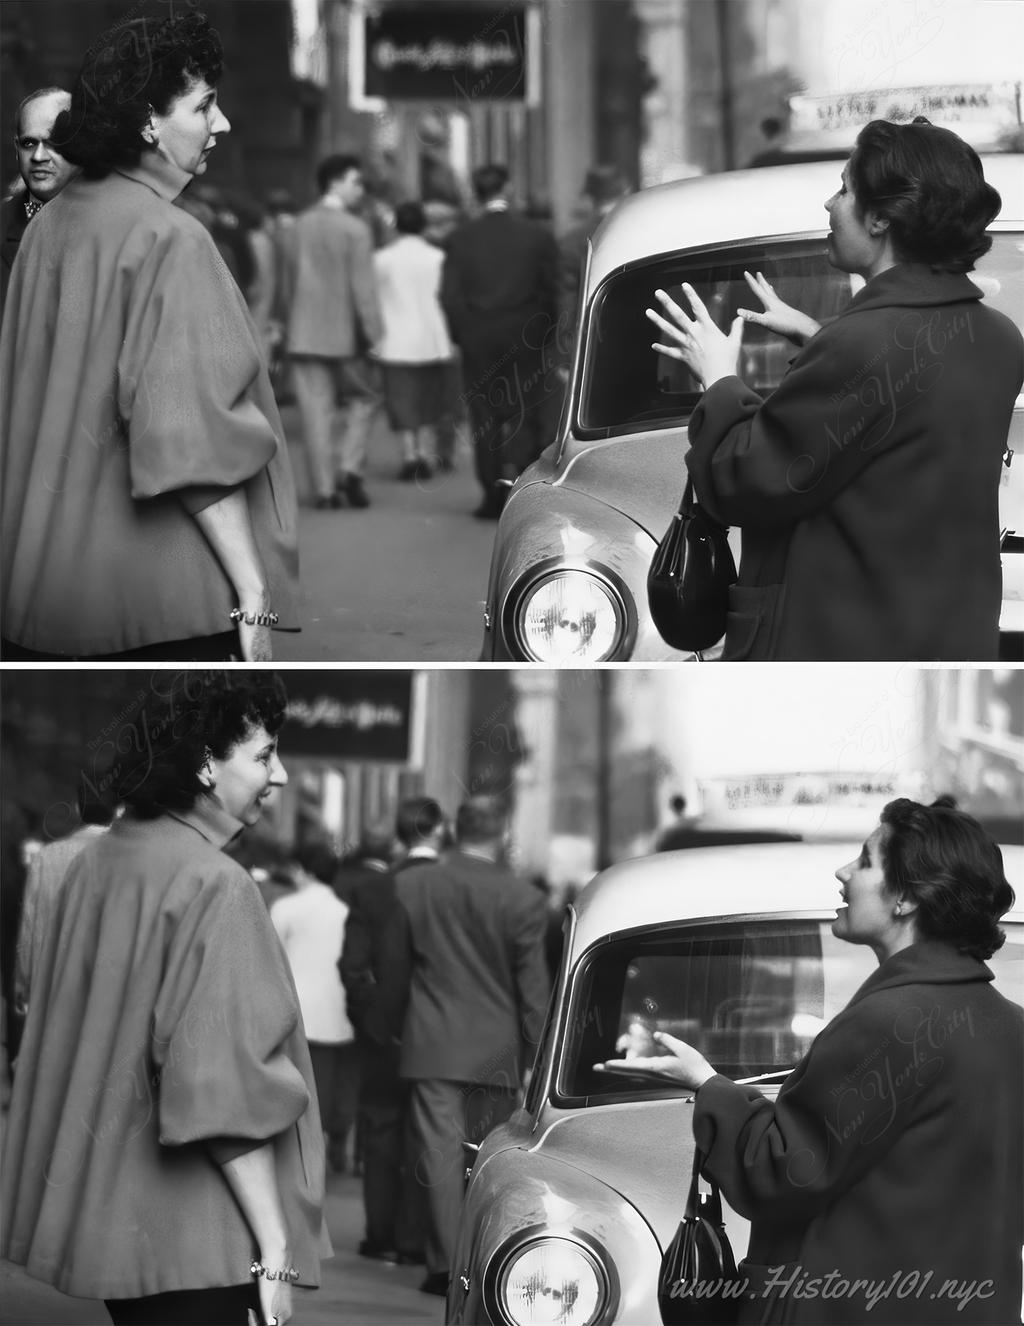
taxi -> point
(568, 576)
(570, 1205)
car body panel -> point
(613, 1172)
(627, 487)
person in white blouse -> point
(416, 347)
(311, 925)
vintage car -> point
(570, 1205)
(568, 579)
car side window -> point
(627, 385)
(751, 995)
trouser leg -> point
(314, 384)
(438, 1127)
(360, 386)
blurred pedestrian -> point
(41, 168)
(881, 401)
(373, 856)
(311, 924)
(422, 830)
(499, 292)
(280, 218)
(157, 410)
(442, 218)
(603, 187)
(375, 967)
(476, 1005)
(334, 323)
(46, 872)
(415, 346)
(262, 291)
(163, 1149)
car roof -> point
(707, 882)
(748, 205)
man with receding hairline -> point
(42, 169)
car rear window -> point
(750, 994)
(627, 386)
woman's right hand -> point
(778, 316)
(275, 1301)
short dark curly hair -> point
(942, 859)
(418, 818)
(160, 748)
(929, 185)
(133, 68)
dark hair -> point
(335, 167)
(605, 183)
(929, 185)
(488, 181)
(943, 860)
(317, 857)
(418, 817)
(481, 820)
(187, 714)
(132, 69)
(410, 219)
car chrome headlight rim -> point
(500, 1277)
(616, 634)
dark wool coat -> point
(894, 1148)
(867, 484)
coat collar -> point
(209, 818)
(913, 285)
(157, 173)
(929, 962)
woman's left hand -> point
(697, 342)
(682, 1063)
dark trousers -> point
(197, 1307)
(199, 649)
(391, 1198)
(444, 1115)
(504, 388)
(336, 1073)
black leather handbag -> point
(688, 582)
(698, 1283)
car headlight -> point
(570, 613)
(552, 1281)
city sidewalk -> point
(354, 1290)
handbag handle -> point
(713, 1204)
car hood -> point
(642, 475)
(642, 1151)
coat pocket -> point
(752, 626)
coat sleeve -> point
(185, 376)
(223, 1020)
(845, 1105)
(772, 462)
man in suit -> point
(375, 970)
(476, 1006)
(334, 322)
(43, 171)
(499, 291)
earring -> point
(898, 910)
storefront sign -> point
(349, 715)
(981, 112)
(441, 52)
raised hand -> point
(697, 342)
(777, 316)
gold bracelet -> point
(288, 1273)
(253, 618)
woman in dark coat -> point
(867, 484)
(885, 1182)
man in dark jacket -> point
(500, 294)
(43, 171)
(476, 1006)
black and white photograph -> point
(476, 966)
(404, 330)
(511, 663)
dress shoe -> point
(436, 1282)
(424, 469)
(331, 503)
(408, 471)
(445, 465)
(411, 1259)
(352, 487)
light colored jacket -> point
(409, 281)
(331, 291)
(311, 926)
